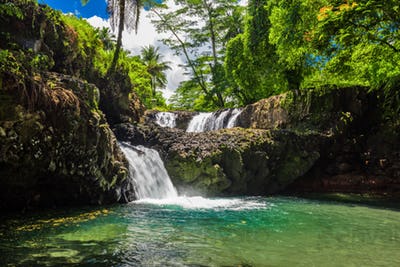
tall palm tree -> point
(155, 67)
(123, 13)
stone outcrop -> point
(361, 154)
(56, 46)
(56, 147)
(327, 110)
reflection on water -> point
(206, 232)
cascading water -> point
(166, 119)
(149, 173)
(234, 115)
(199, 122)
(211, 121)
(154, 186)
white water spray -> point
(149, 173)
(166, 119)
(234, 115)
(211, 121)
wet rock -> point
(230, 161)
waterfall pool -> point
(182, 231)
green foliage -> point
(199, 30)
(251, 61)
(11, 10)
(66, 44)
(361, 39)
(188, 96)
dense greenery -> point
(280, 45)
(234, 55)
(82, 51)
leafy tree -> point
(291, 23)
(199, 31)
(155, 67)
(251, 61)
(362, 41)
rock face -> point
(56, 147)
(229, 161)
(361, 153)
(53, 45)
(324, 110)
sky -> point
(96, 14)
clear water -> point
(206, 232)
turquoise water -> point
(206, 232)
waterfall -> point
(199, 122)
(166, 119)
(147, 170)
(234, 115)
(210, 121)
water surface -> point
(206, 232)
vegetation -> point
(199, 31)
(274, 46)
(155, 67)
(236, 55)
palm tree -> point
(107, 38)
(123, 13)
(155, 67)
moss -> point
(294, 166)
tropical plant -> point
(107, 38)
(155, 67)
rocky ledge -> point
(229, 161)
(319, 141)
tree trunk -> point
(214, 67)
(119, 38)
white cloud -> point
(98, 22)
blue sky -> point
(93, 8)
